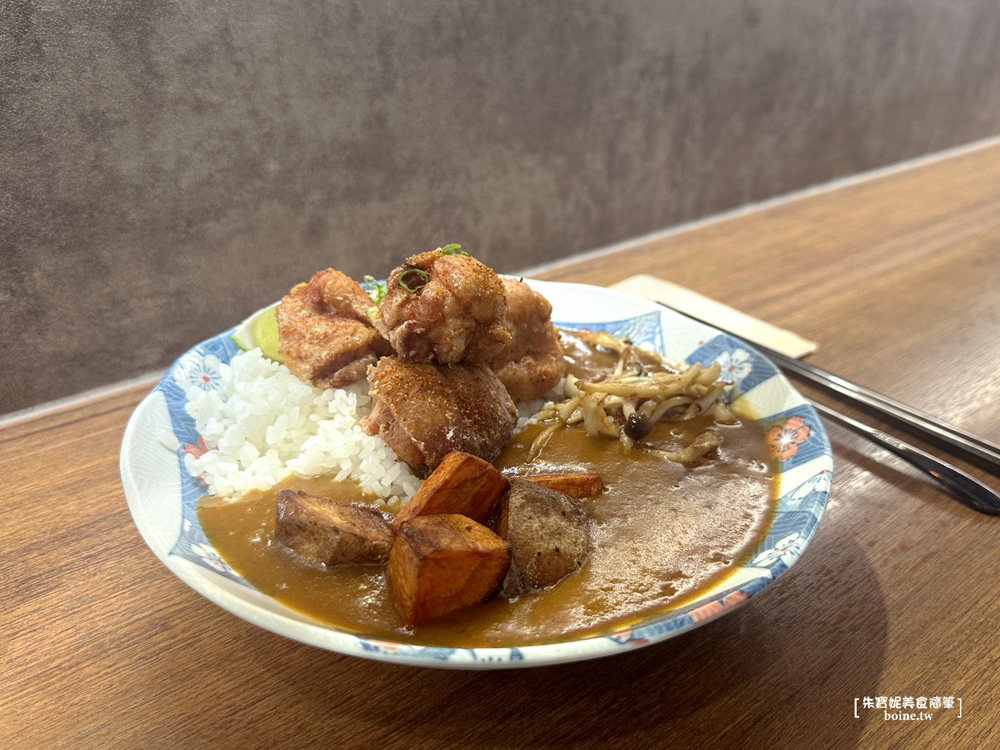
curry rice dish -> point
(630, 490)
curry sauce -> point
(662, 533)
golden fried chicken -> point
(423, 411)
(324, 334)
(532, 362)
(445, 307)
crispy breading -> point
(423, 412)
(532, 362)
(324, 334)
(444, 308)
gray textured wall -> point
(166, 168)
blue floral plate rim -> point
(161, 495)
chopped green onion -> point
(453, 249)
(417, 286)
(377, 291)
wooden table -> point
(898, 594)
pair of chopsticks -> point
(950, 438)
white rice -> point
(527, 411)
(262, 424)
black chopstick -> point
(948, 437)
(965, 487)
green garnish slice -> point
(418, 279)
(453, 249)
(378, 289)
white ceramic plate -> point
(162, 496)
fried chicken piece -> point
(324, 334)
(445, 308)
(532, 362)
(425, 411)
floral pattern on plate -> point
(743, 367)
(163, 497)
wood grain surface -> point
(897, 595)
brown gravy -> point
(662, 533)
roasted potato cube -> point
(443, 563)
(331, 532)
(463, 484)
(578, 485)
(549, 536)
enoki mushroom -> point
(643, 389)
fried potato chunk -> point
(548, 533)
(331, 532)
(577, 484)
(444, 308)
(461, 483)
(443, 563)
